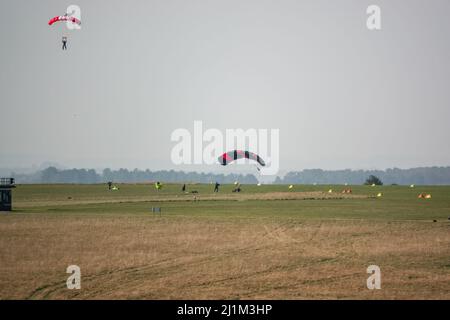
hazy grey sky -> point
(341, 95)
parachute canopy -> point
(230, 156)
(64, 18)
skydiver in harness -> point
(216, 187)
(64, 38)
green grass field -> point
(255, 244)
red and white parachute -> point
(64, 18)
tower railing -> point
(7, 181)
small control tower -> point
(6, 186)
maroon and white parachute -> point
(230, 156)
(64, 18)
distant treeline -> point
(54, 175)
(420, 176)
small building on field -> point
(6, 186)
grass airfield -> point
(267, 242)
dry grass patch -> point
(191, 258)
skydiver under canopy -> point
(64, 42)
